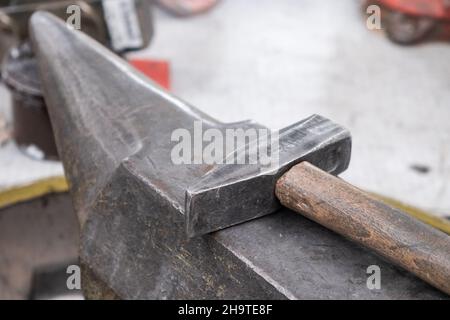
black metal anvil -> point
(113, 131)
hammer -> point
(309, 152)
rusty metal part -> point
(341, 207)
(113, 130)
(31, 123)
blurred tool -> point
(412, 21)
(120, 24)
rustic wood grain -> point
(345, 209)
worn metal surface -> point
(230, 194)
(354, 214)
(112, 130)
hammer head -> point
(233, 193)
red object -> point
(157, 70)
(437, 9)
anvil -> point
(113, 130)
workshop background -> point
(270, 61)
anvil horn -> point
(113, 132)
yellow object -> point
(36, 189)
(428, 218)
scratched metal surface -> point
(282, 60)
(231, 194)
(108, 120)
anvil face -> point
(113, 130)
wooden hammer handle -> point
(354, 214)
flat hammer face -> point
(234, 193)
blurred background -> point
(376, 67)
